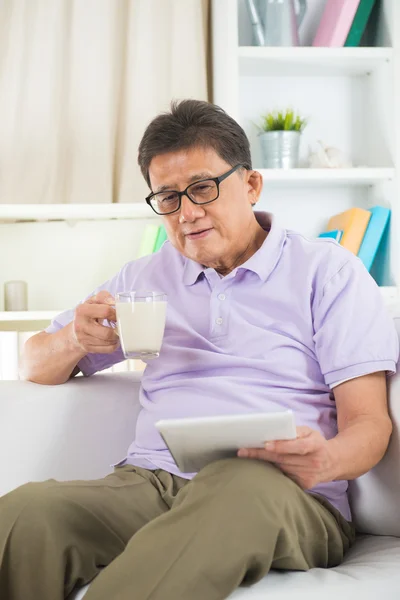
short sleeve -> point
(92, 363)
(353, 332)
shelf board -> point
(310, 61)
(28, 315)
(26, 320)
(74, 212)
(353, 176)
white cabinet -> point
(351, 97)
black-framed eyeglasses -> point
(199, 192)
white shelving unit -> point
(351, 99)
(306, 61)
(30, 320)
(358, 176)
(63, 251)
(73, 212)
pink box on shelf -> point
(335, 22)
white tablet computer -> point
(195, 442)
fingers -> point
(92, 333)
(89, 332)
(252, 453)
(93, 349)
(102, 297)
(92, 337)
(103, 333)
(303, 431)
(299, 447)
(307, 441)
(261, 454)
(93, 310)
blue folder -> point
(372, 238)
(336, 234)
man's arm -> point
(364, 425)
(52, 358)
(364, 430)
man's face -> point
(211, 234)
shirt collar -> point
(262, 262)
(191, 271)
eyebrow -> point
(192, 179)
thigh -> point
(233, 522)
(70, 530)
(269, 513)
(120, 503)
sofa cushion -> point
(370, 570)
(375, 497)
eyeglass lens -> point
(200, 192)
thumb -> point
(303, 431)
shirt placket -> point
(219, 304)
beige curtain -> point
(80, 80)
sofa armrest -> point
(70, 431)
(374, 497)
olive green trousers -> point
(150, 535)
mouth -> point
(200, 233)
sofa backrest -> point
(375, 497)
(70, 431)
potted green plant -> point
(279, 134)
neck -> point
(251, 247)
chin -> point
(202, 253)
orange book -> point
(354, 223)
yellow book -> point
(354, 223)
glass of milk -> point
(141, 322)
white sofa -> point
(78, 429)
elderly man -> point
(259, 318)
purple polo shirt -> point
(278, 332)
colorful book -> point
(148, 241)
(353, 223)
(359, 23)
(376, 228)
(336, 234)
(336, 22)
(381, 269)
(161, 238)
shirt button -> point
(221, 297)
(218, 321)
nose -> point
(189, 211)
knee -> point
(33, 506)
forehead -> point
(175, 169)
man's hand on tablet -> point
(308, 459)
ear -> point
(254, 186)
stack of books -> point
(360, 231)
(343, 22)
(153, 238)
